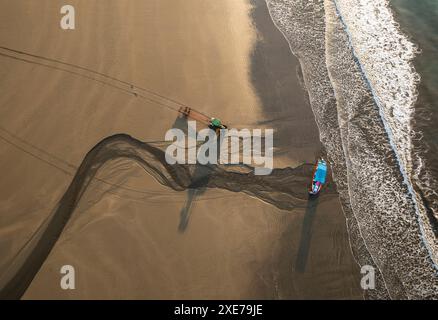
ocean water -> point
(367, 90)
(419, 20)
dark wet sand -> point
(277, 78)
(131, 237)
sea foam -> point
(363, 108)
(385, 57)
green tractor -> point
(216, 124)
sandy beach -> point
(129, 236)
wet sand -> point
(136, 238)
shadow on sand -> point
(200, 179)
(306, 234)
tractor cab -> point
(216, 124)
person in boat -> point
(316, 187)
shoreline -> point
(351, 119)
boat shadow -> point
(196, 189)
(306, 234)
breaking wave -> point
(358, 70)
(384, 55)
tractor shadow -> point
(199, 180)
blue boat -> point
(319, 177)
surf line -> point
(406, 179)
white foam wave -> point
(302, 24)
(378, 197)
(385, 57)
(360, 149)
